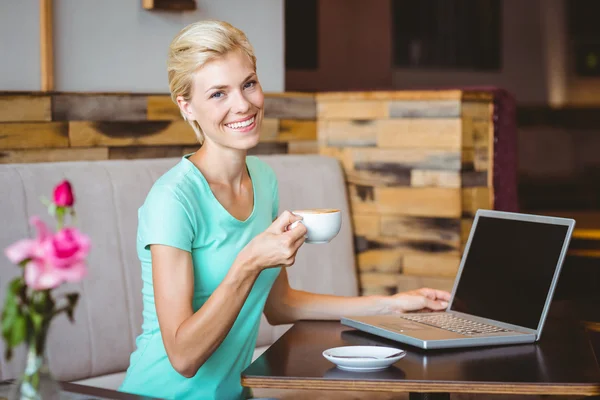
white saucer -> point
(362, 363)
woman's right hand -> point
(277, 245)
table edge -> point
(586, 389)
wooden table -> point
(562, 363)
(77, 392)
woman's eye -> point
(217, 95)
(249, 84)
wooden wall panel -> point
(52, 155)
(22, 108)
(418, 164)
(27, 135)
(109, 107)
(90, 134)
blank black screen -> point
(509, 270)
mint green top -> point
(181, 211)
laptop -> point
(502, 292)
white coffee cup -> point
(322, 224)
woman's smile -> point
(243, 125)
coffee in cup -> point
(322, 224)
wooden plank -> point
(425, 202)
(366, 225)
(53, 155)
(425, 109)
(341, 154)
(378, 279)
(477, 109)
(379, 175)
(432, 178)
(303, 147)
(294, 130)
(269, 148)
(391, 95)
(352, 110)
(431, 265)
(411, 282)
(135, 152)
(408, 245)
(465, 230)
(382, 260)
(269, 130)
(296, 107)
(474, 178)
(468, 159)
(114, 134)
(46, 46)
(421, 228)
(479, 131)
(169, 5)
(376, 159)
(475, 198)
(377, 291)
(438, 133)
(162, 108)
(29, 135)
(103, 107)
(351, 133)
(392, 167)
(25, 108)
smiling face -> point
(227, 102)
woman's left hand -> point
(416, 300)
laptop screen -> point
(509, 269)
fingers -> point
(297, 230)
(283, 221)
(436, 305)
(435, 294)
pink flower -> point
(29, 248)
(66, 251)
(63, 194)
(40, 275)
(51, 259)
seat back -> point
(108, 194)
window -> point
(451, 34)
(584, 33)
(301, 34)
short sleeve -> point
(165, 219)
(275, 198)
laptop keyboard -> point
(452, 323)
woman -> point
(209, 239)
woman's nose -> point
(241, 104)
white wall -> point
(523, 71)
(19, 45)
(116, 46)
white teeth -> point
(240, 125)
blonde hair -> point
(193, 47)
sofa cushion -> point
(113, 381)
(108, 317)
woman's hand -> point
(276, 246)
(416, 300)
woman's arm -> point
(286, 305)
(190, 338)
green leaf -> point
(17, 333)
(11, 306)
(16, 286)
(10, 312)
(72, 299)
(37, 320)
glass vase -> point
(36, 382)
